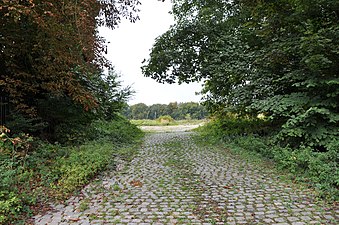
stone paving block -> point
(173, 180)
(292, 218)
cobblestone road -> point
(174, 181)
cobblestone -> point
(175, 181)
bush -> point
(14, 177)
(52, 171)
(231, 126)
(117, 131)
(165, 119)
(317, 169)
(80, 165)
(10, 204)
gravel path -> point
(175, 181)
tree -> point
(172, 109)
(154, 111)
(273, 57)
(190, 110)
(139, 111)
(51, 50)
(175, 110)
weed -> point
(117, 221)
(173, 144)
(84, 205)
(184, 188)
(116, 187)
(114, 212)
(315, 169)
(93, 216)
(31, 168)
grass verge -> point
(48, 172)
(316, 170)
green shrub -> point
(10, 204)
(255, 144)
(317, 169)
(34, 168)
(118, 131)
(231, 126)
(81, 165)
(165, 119)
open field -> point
(173, 123)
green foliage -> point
(57, 114)
(51, 50)
(139, 111)
(318, 170)
(178, 111)
(157, 123)
(19, 122)
(231, 126)
(167, 119)
(118, 131)
(14, 178)
(278, 58)
(9, 204)
(53, 171)
(109, 93)
(52, 65)
(80, 165)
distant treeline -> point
(178, 111)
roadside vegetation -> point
(254, 138)
(33, 172)
(171, 123)
(60, 101)
(177, 111)
(277, 59)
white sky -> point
(130, 43)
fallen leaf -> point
(136, 183)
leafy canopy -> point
(278, 58)
(52, 55)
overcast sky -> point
(130, 43)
